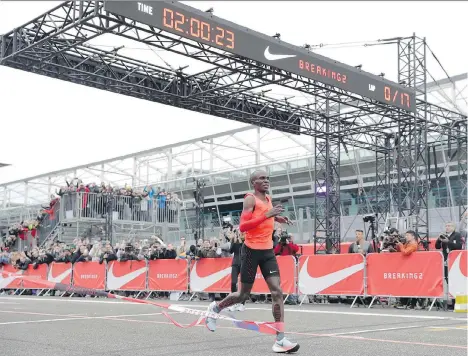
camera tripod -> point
(371, 231)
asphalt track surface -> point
(44, 326)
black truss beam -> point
(327, 214)
(55, 44)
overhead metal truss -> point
(57, 44)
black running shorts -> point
(251, 259)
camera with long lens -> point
(443, 236)
(284, 238)
(369, 218)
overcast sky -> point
(52, 124)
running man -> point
(257, 222)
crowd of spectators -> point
(129, 203)
(167, 204)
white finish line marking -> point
(69, 317)
(427, 317)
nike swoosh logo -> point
(60, 277)
(200, 284)
(4, 282)
(314, 285)
(458, 283)
(114, 282)
(275, 57)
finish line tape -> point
(259, 326)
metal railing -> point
(49, 222)
(95, 206)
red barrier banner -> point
(89, 275)
(40, 273)
(168, 275)
(211, 275)
(128, 275)
(287, 268)
(10, 282)
(417, 275)
(60, 273)
(457, 273)
(331, 274)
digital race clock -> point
(205, 28)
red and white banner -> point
(331, 274)
(128, 275)
(420, 274)
(168, 275)
(10, 282)
(89, 275)
(287, 268)
(457, 273)
(60, 273)
(40, 273)
(211, 275)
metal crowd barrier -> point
(420, 275)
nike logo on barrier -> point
(114, 282)
(199, 284)
(458, 283)
(275, 57)
(314, 285)
(4, 282)
(60, 277)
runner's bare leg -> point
(235, 298)
(274, 283)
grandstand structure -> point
(336, 139)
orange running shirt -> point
(260, 238)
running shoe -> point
(285, 346)
(232, 308)
(240, 307)
(211, 322)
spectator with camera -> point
(449, 241)
(107, 254)
(360, 245)
(286, 246)
(128, 253)
(408, 244)
(389, 240)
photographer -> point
(389, 240)
(128, 254)
(107, 254)
(408, 244)
(449, 241)
(286, 246)
(360, 245)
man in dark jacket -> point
(449, 241)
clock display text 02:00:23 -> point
(198, 29)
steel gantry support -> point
(461, 152)
(411, 158)
(327, 213)
(56, 44)
(382, 183)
